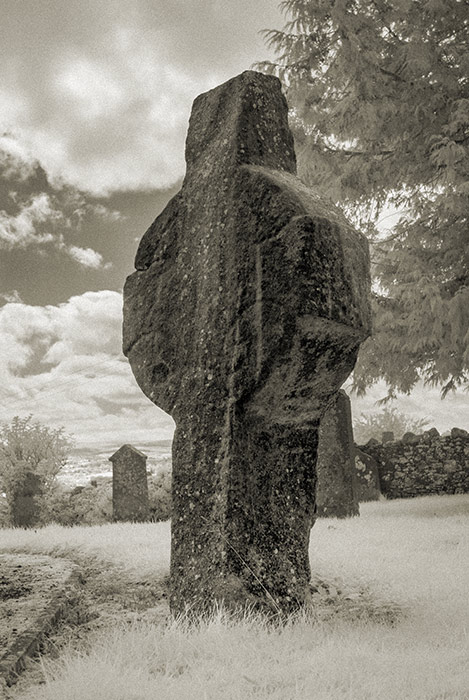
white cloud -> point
(117, 82)
(103, 212)
(92, 88)
(86, 325)
(86, 256)
(12, 297)
(15, 161)
(20, 230)
(64, 365)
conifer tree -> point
(379, 97)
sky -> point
(95, 98)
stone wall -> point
(419, 465)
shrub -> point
(92, 504)
(159, 495)
(375, 424)
(29, 450)
(82, 505)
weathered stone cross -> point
(245, 315)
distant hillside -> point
(155, 449)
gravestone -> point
(336, 495)
(129, 484)
(25, 505)
(244, 316)
(367, 484)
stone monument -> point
(244, 316)
(336, 494)
(129, 484)
(25, 506)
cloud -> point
(86, 256)
(15, 161)
(64, 210)
(88, 324)
(64, 365)
(20, 230)
(117, 83)
(12, 297)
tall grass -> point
(142, 549)
(390, 620)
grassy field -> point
(390, 621)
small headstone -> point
(245, 315)
(367, 486)
(387, 436)
(335, 495)
(25, 506)
(129, 485)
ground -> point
(389, 617)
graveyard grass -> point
(390, 621)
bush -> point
(375, 424)
(82, 505)
(30, 452)
(4, 511)
(159, 495)
(92, 504)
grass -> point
(139, 549)
(390, 618)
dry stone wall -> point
(419, 465)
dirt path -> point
(27, 583)
(105, 597)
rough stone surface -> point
(431, 434)
(410, 438)
(244, 317)
(367, 486)
(25, 506)
(429, 464)
(387, 436)
(129, 484)
(459, 432)
(336, 495)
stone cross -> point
(129, 484)
(244, 316)
(336, 495)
